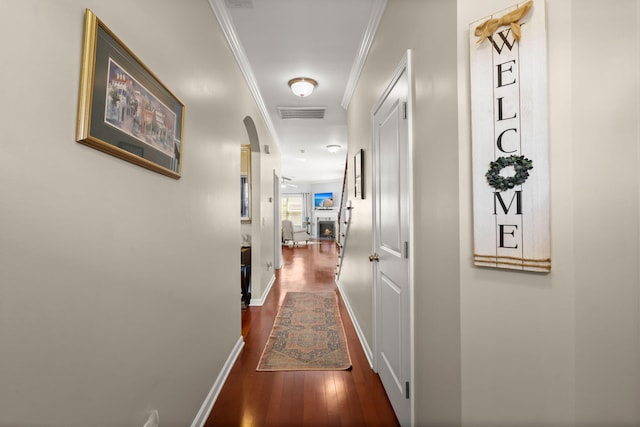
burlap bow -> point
(490, 26)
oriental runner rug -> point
(307, 335)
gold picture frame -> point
(123, 108)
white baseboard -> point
(363, 341)
(260, 301)
(206, 407)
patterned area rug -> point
(307, 335)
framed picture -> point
(358, 168)
(123, 108)
(245, 183)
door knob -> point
(374, 257)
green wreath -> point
(522, 166)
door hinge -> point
(406, 249)
(404, 110)
(406, 390)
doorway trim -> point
(277, 239)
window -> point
(291, 209)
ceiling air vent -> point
(301, 112)
(239, 4)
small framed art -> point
(358, 173)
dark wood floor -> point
(312, 398)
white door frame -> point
(277, 238)
(405, 66)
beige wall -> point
(517, 328)
(260, 228)
(117, 292)
(606, 178)
(426, 27)
(564, 348)
(501, 348)
(263, 273)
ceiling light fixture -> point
(333, 148)
(302, 86)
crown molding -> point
(367, 40)
(229, 31)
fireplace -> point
(326, 229)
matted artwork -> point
(510, 136)
(123, 108)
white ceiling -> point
(327, 40)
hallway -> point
(300, 398)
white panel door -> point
(390, 258)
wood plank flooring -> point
(300, 398)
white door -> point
(391, 244)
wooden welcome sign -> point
(509, 109)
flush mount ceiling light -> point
(333, 148)
(302, 86)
